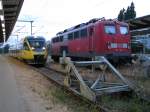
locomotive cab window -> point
(26, 46)
(110, 29)
(37, 43)
(124, 30)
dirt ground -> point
(35, 90)
(39, 96)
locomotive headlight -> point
(32, 48)
(43, 48)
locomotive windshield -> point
(37, 43)
(110, 29)
(124, 30)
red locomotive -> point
(98, 37)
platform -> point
(10, 100)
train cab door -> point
(91, 40)
(25, 51)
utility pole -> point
(31, 22)
(31, 26)
(17, 43)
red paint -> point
(99, 42)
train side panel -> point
(101, 38)
(32, 51)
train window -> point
(110, 29)
(124, 30)
(57, 39)
(61, 38)
(53, 40)
(26, 46)
(65, 37)
(37, 43)
(83, 33)
(70, 36)
(76, 34)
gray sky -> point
(52, 16)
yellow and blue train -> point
(31, 50)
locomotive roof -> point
(34, 38)
(88, 24)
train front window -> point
(37, 43)
(110, 29)
(124, 30)
(26, 46)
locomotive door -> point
(91, 40)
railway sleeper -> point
(92, 89)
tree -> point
(121, 15)
(133, 12)
(127, 14)
(130, 13)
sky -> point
(52, 16)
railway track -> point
(57, 78)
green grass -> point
(126, 104)
(72, 102)
(116, 103)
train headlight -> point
(43, 48)
(32, 48)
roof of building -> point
(10, 12)
(139, 23)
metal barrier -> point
(91, 89)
